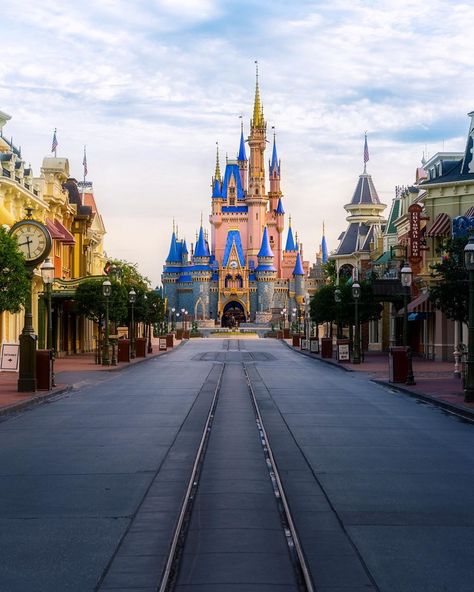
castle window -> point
(232, 201)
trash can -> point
(179, 334)
(279, 335)
(140, 347)
(296, 340)
(170, 340)
(44, 369)
(398, 364)
(326, 347)
(124, 350)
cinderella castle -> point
(245, 271)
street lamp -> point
(406, 276)
(47, 273)
(182, 318)
(337, 300)
(356, 296)
(106, 291)
(283, 313)
(293, 316)
(132, 297)
(469, 376)
(172, 319)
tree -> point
(90, 301)
(128, 274)
(449, 293)
(14, 277)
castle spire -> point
(274, 165)
(241, 156)
(257, 120)
(217, 174)
(366, 154)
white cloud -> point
(149, 87)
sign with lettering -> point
(162, 344)
(10, 357)
(314, 346)
(304, 344)
(343, 352)
(414, 213)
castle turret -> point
(171, 273)
(256, 198)
(298, 275)
(324, 248)
(201, 274)
(265, 274)
(242, 159)
(274, 171)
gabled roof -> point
(298, 270)
(394, 215)
(233, 238)
(365, 192)
(201, 249)
(265, 249)
(290, 241)
(232, 170)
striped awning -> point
(470, 212)
(421, 303)
(441, 226)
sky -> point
(149, 86)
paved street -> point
(380, 486)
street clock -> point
(34, 240)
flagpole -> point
(84, 165)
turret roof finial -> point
(174, 226)
(217, 174)
(257, 120)
(366, 154)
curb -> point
(450, 407)
(42, 398)
(313, 357)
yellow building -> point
(77, 231)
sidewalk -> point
(70, 372)
(435, 381)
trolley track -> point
(172, 570)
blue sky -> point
(150, 86)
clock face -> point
(34, 240)
(233, 264)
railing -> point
(6, 173)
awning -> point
(470, 212)
(59, 232)
(421, 304)
(383, 259)
(441, 226)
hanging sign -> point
(414, 213)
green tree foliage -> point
(323, 308)
(14, 280)
(155, 308)
(90, 301)
(449, 293)
(128, 274)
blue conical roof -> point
(201, 249)
(280, 209)
(274, 164)
(290, 241)
(241, 155)
(216, 189)
(184, 248)
(173, 255)
(265, 249)
(324, 250)
(298, 270)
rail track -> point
(302, 576)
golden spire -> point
(217, 174)
(257, 120)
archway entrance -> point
(233, 314)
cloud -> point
(150, 87)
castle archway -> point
(233, 314)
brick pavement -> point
(435, 380)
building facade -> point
(245, 269)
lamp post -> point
(283, 313)
(293, 316)
(106, 291)
(173, 310)
(406, 277)
(356, 296)
(47, 274)
(337, 300)
(469, 377)
(182, 318)
(132, 297)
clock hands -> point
(27, 243)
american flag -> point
(366, 150)
(54, 145)
(84, 163)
